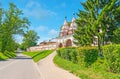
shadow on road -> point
(3, 59)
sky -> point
(46, 16)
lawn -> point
(36, 56)
(84, 73)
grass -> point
(36, 56)
(3, 57)
(84, 73)
(7, 55)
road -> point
(21, 67)
(48, 70)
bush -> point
(84, 56)
(112, 56)
(68, 53)
(87, 55)
(88, 59)
(73, 55)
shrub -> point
(59, 53)
(84, 56)
(112, 56)
(68, 53)
(87, 55)
(73, 55)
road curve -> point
(21, 67)
(49, 70)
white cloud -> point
(42, 28)
(34, 9)
(53, 32)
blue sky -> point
(46, 16)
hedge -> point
(86, 56)
(112, 56)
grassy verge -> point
(36, 56)
(84, 73)
(3, 57)
(7, 55)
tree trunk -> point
(100, 46)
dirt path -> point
(48, 70)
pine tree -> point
(99, 18)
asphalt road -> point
(48, 70)
(21, 67)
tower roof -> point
(73, 19)
(73, 25)
(65, 25)
(65, 21)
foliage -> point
(99, 18)
(86, 73)
(37, 56)
(112, 56)
(116, 34)
(88, 64)
(85, 56)
(30, 39)
(68, 53)
(89, 55)
(11, 22)
(12, 45)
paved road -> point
(20, 68)
(49, 71)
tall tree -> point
(98, 20)
(1, 16)
(12, 23)
(30, 39)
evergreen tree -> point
(99, 18)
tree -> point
(1, 15)
(99, 19)
(116, 36)
(30, 39)
(12, 23)
(12, 45)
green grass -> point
(31, 54)
(84, 73)
(3, 57)
(7, 55)
(36, 56)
